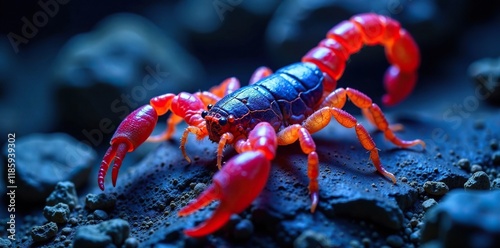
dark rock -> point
(58, 213)
(117, 67)
(43, 233)
(395, 241)
(47, 159)
(495, 184)
(464, 164)
(478, 181)
(100, 215)
(464, 219)
(427, 204)
(100, 201)
(63, 193)
(495, 158)
(436, 188)
(131, 243)
(475, 168)
(415, 236)
(243, 230)
(310, 238)
(486, 75)
(114, 231)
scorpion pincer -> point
(276, 109)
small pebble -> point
(58, 213)
(100, 201)
(66, 230)
(415, 236)
(478, 181)
(100, 215)
(366, 242)
(429, 204)
(199, 187)
(435, 188)
(394, 241)
(464, 164)
(43, 233)
(495, 184)
(310, 238)
(495, 157)
(494, 144)
(475, 168)
(131, 243)
(243, 230)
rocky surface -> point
(464, 219)
(106, 233)
(47, 159)
(358, 207)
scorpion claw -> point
(238, 183)
(126, 138)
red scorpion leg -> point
(239, 182)
(319, 119)
(338, 98)
(288, 136)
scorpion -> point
(276, 109)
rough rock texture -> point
(47, 159)
(63, 193)
(100, 201)
(465, 219)
(486, 75)
(350, 188)
(478, 181)
(58, 213)
(109, 232)
(44, 232)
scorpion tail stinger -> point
(236, 185)
(131, 133)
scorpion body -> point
(284, 98)
(276, 109)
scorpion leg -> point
(362, 101)
(227, 86)
(239, 182)
(371, 111)
(319, 119)
(288, 136)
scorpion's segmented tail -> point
(349, 36)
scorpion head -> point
(218, 123)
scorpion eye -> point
(231, 118)
(209, 106)
(204, 113)
(222, 121)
